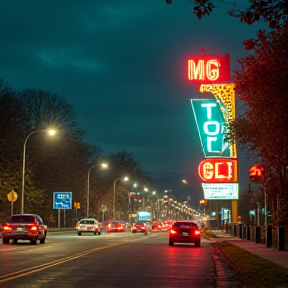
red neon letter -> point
(196, 72)
(212, 73)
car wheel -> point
(79, 234)
(171, 243)
(197, 244)
(5, 240)
(42, 241)
(15, 241)
(99, 232)
(95, 233)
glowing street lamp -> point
(114, 195)
(50, 132)
(104, 166)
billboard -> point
(62, 200)
(221, 191)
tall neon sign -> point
(218, 172)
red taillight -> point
(34, 228)
(197, 232)
(173, 231)
(6, 228)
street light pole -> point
(103, 165)
(51, 132)
(114, 184)
(88, 193)
(114, 194)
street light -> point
(50, 132)
(114, 195)
(103, 165)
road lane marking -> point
(31, 270)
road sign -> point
(12, 196)
(62, 200)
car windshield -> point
(185, 224)
(22, 219)
(90, 222)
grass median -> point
(251, 269)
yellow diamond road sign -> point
(12, 196)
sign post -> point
(12, 197)
(62, 200)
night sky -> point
(122, 64)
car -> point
(139, 226)
(88, 225)
(115, 227)
(185, 231)
(24, 227)
(168, 224)
(157, 226)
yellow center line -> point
(31, 270)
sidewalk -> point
(272, 254)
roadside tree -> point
(57, 164)
(272, 11)
(262, 83)
(13, 121)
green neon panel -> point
(211, 125)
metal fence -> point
(271, 236)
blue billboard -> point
(62, 200)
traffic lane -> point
(139, 261)
(58, 245)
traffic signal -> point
(76, 205)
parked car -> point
(88, 225)
(24, 227)
(185, 232)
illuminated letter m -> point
(196, 72)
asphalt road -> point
(109, 260)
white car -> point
(87, 225)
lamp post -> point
(103, 165)
(51, 132)
(114, 195)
